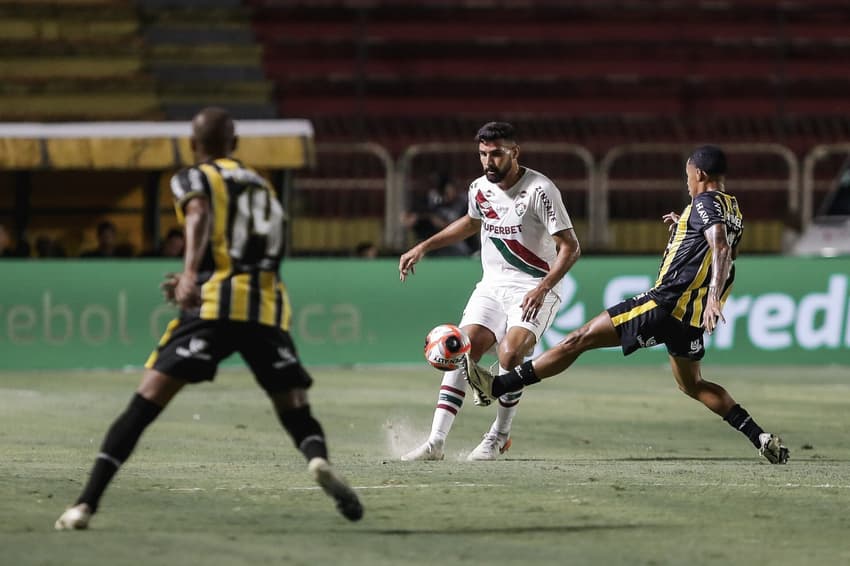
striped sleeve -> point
(185, 185)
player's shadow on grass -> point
(510, 530)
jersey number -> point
(257, 233)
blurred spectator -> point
(171, 246)
(107, 243)
(366, 250)
(6, 249)
(45, 246)
(444, 204)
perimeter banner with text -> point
(109, 314)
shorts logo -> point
(287, 358)
(195, 350)
(647, 342)
(696, 347)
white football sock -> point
(508, 405)
(449, 402)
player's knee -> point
(510, 358)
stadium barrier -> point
(663, 179)
(810, 162)
(77, 314)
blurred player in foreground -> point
(231, 300)
(696, 275)
(527, 245)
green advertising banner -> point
(109, 314)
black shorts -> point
(191, 350)
(642, 323)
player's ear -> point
(515, 152)
(702, 176)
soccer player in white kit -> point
(527, 246)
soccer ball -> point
(445, 347)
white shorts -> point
(498, 308)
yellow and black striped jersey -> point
(685, 272)
(239, 271)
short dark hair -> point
(710, 159)
(492, 131)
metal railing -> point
(810, 161)
(600, 236)
(588, 186)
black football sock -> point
(740, 419)
(514, 380)
(117, 447)
(305, 431)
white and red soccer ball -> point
(445, 347)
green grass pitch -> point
(608, 466)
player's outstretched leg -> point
(480, 380)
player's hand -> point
(712, 314)
(532, 302)
(187, 294)
(407, 260)
(671, 219)
(168, 286)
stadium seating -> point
(204, 53)
(73, 60)
(343, 64)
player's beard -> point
(495, 175)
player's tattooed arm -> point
(721, 264)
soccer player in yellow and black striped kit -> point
(231, 299)
(687, 300)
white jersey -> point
(516, 227)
